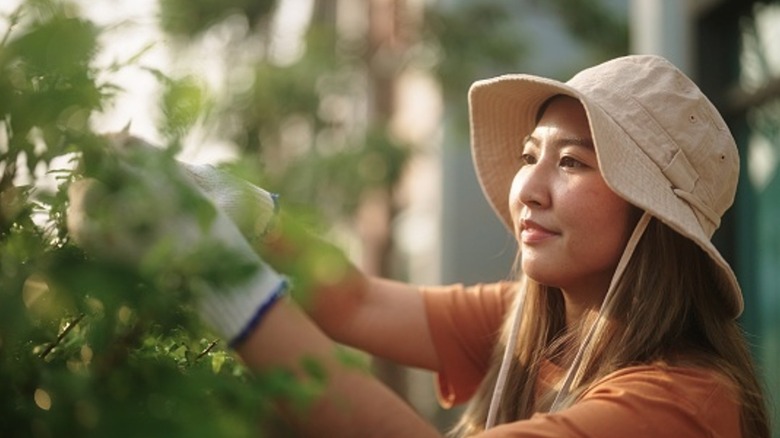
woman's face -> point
(571, 227)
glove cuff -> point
(234, 312)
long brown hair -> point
(666, 309)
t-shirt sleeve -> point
(465, 323)
(641, 402)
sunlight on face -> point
(571, 227)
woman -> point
(622, 321)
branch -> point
(207, 349)
(68, 327)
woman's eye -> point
(571, 162)
(527, 159)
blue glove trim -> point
(278, 293)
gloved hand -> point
(151, 217)
(250, 207)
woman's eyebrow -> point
(577, 141)
(585, 142)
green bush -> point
(88, 348)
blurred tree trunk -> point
(388, 40)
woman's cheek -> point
(515, 205)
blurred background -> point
(355, 111)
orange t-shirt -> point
(654, 400)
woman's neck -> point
(582, 302)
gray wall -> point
(476, 247)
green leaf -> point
(217, 361)
(183, 101)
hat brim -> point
(503, 112)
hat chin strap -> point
(509, 351)
(606, 304)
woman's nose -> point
(533, 185)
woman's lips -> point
(531, 232)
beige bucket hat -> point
(661, 144)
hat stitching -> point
(679, 171)
(647, 124)
(684, 177)
(699, 206)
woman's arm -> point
(354, 404)
(383, 317)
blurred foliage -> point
(461, 59)
(594, 23)
(46, 93)
(304, 119)
(183, 101)
(185, 18)
(464, 58)
(476, 40)
(90, 349)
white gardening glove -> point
(152, 218)
(250, 207)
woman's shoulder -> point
(464, 322)
(645, 401)
(486, 302)
(694, 395)
(500, 292)
(694, 381)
